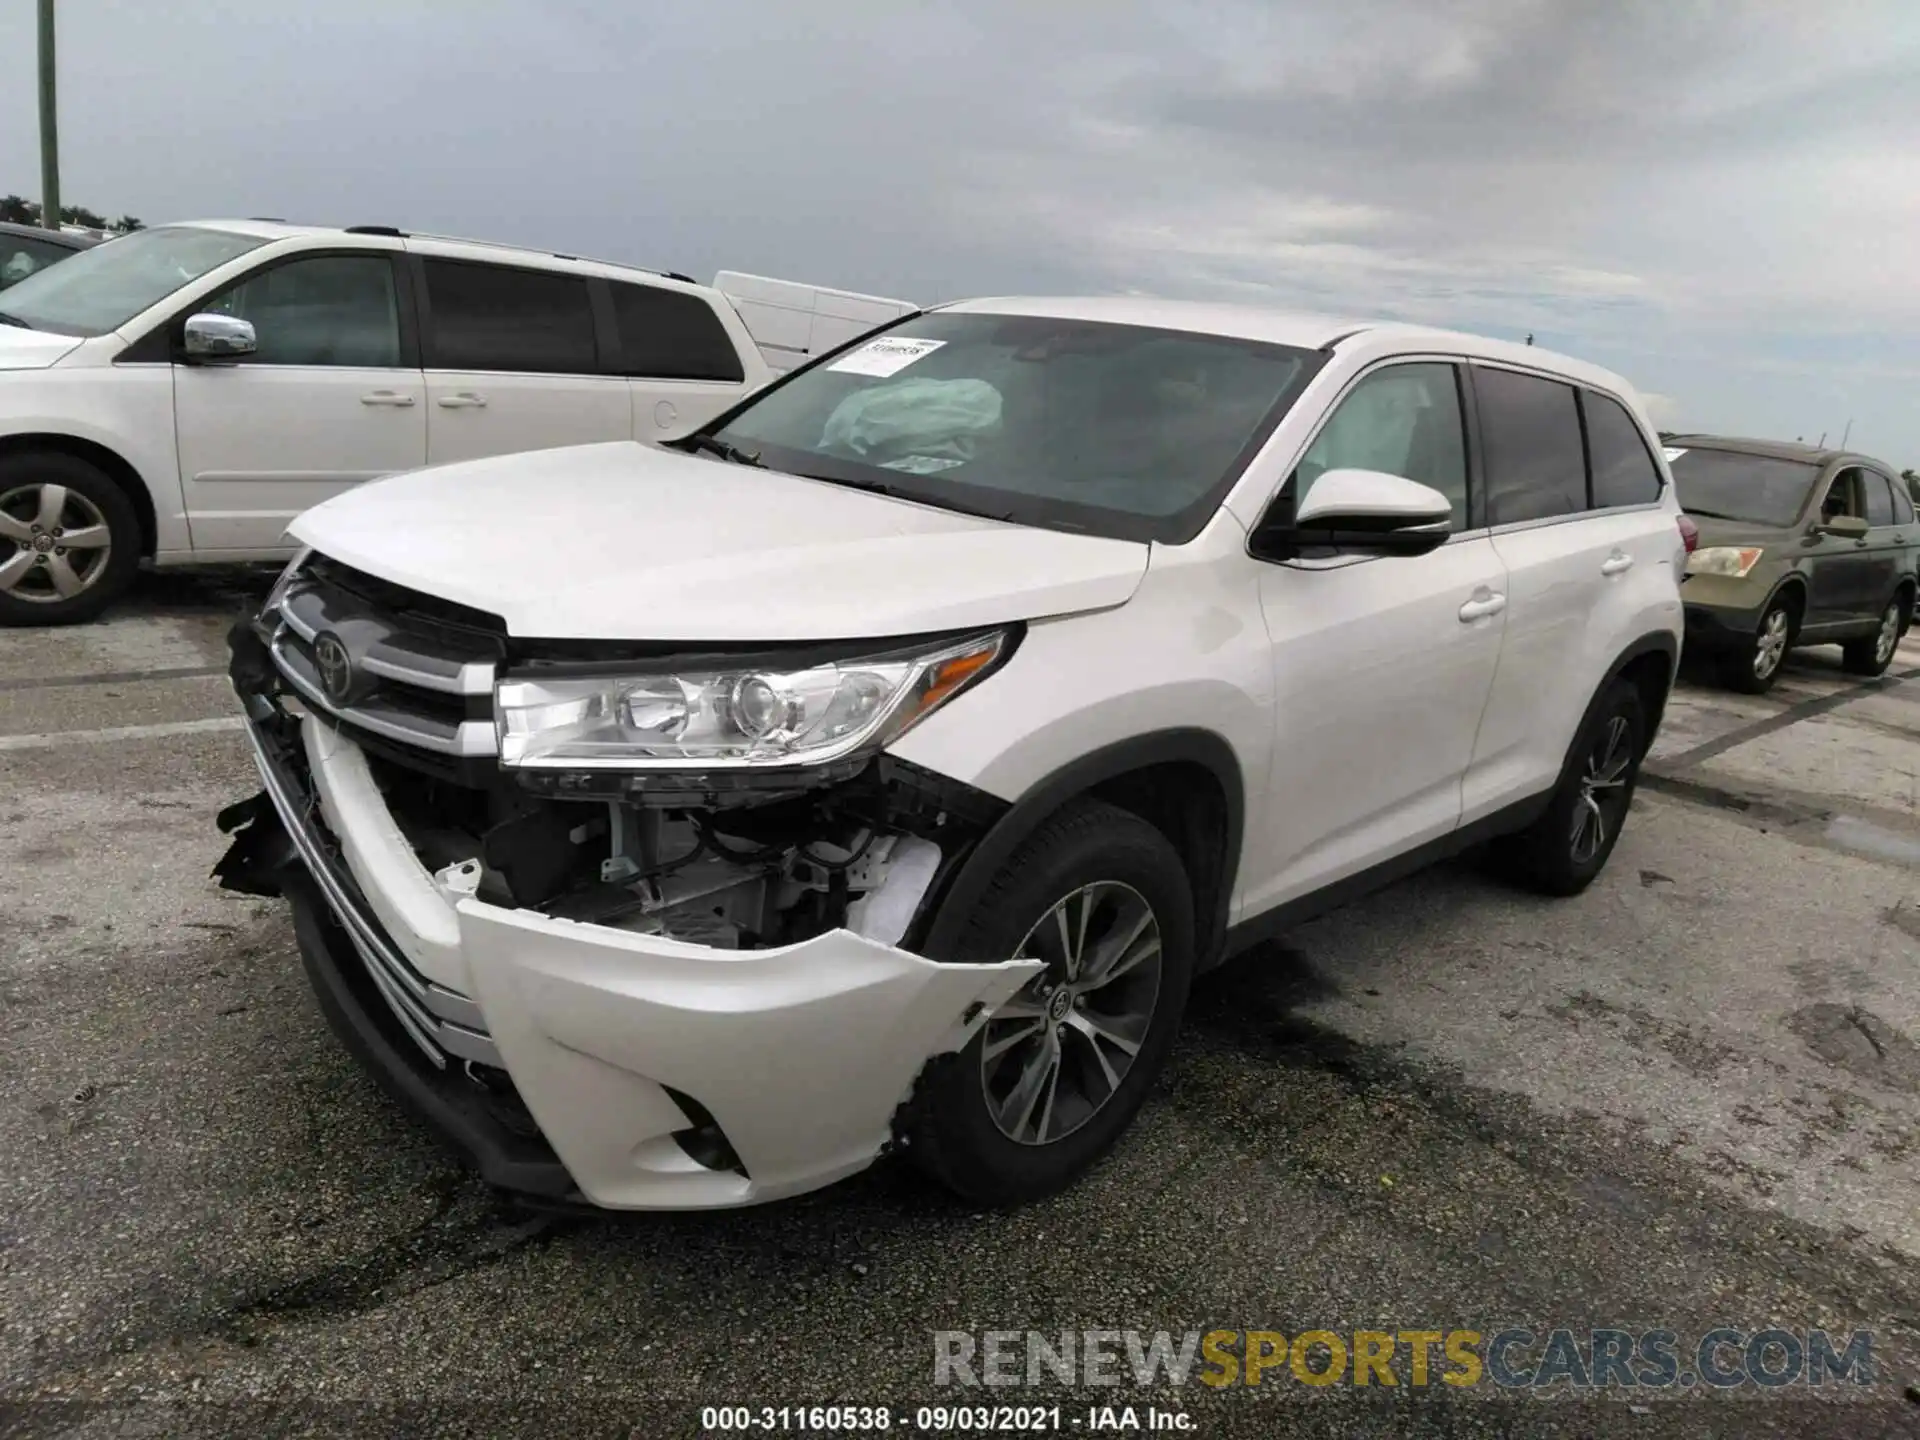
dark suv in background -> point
(1798, 546)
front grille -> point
(441, 1021)
(405, 667)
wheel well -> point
(1183, 800)
(1650, 673)
(1794, 592)
(106, 461)
(1184, 782)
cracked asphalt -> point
(1689, 1098)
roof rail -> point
(268, 219)
(523, 249)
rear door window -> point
(1536, 465)
(1879, 497)
(1623, 468)
(671, 335)
(495, 317)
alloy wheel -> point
(1889, 636)
(1058, 1050)
(1603, 790)
(59, 540)
(1771, 648)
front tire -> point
(1754, 667)
(1566, 848)
(1047, 1086)
(1872, 654)
(69, 540)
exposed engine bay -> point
(729, 861)
(864, 853)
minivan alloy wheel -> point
(1055, 1053)
(1771, 647)
(60, 541)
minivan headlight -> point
(758, 714)
(1729, 560)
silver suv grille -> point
(349, 652)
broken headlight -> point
(757, 714)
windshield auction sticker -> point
(885, 357)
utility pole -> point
(1848, 432)
(49, 126)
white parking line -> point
(120, 732)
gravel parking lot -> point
(1689, 1098)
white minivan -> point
(892, 751)
(180, 394)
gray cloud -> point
(1718, 199)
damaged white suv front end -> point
(678, 1036)
(637, 921)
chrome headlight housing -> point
(758, 714)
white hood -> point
(30, 349)
(629, 542)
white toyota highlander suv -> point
(179, 394)
(685, 825)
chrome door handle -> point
(1480, 608)
(1616, 565)
(386, 397)
(465, 400)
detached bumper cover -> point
(800, 1055)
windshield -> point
(1117, 430)
(1727, 485)
(101, 289)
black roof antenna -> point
(1529, 337)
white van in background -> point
(791, 322)
(177, 396)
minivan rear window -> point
(1729, 485)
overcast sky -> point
(1720, 200)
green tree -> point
(22, 211)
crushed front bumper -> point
(628, 1055)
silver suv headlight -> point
(755, 716)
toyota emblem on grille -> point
(335, 664)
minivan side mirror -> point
(1843, 527)
(217, 337)
(1359, 512)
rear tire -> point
(1872, 654)
(1566, 848)
(1065, 1036)
(1753, 667)
(69, 539)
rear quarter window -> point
(670, 335)
(1623, 468)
